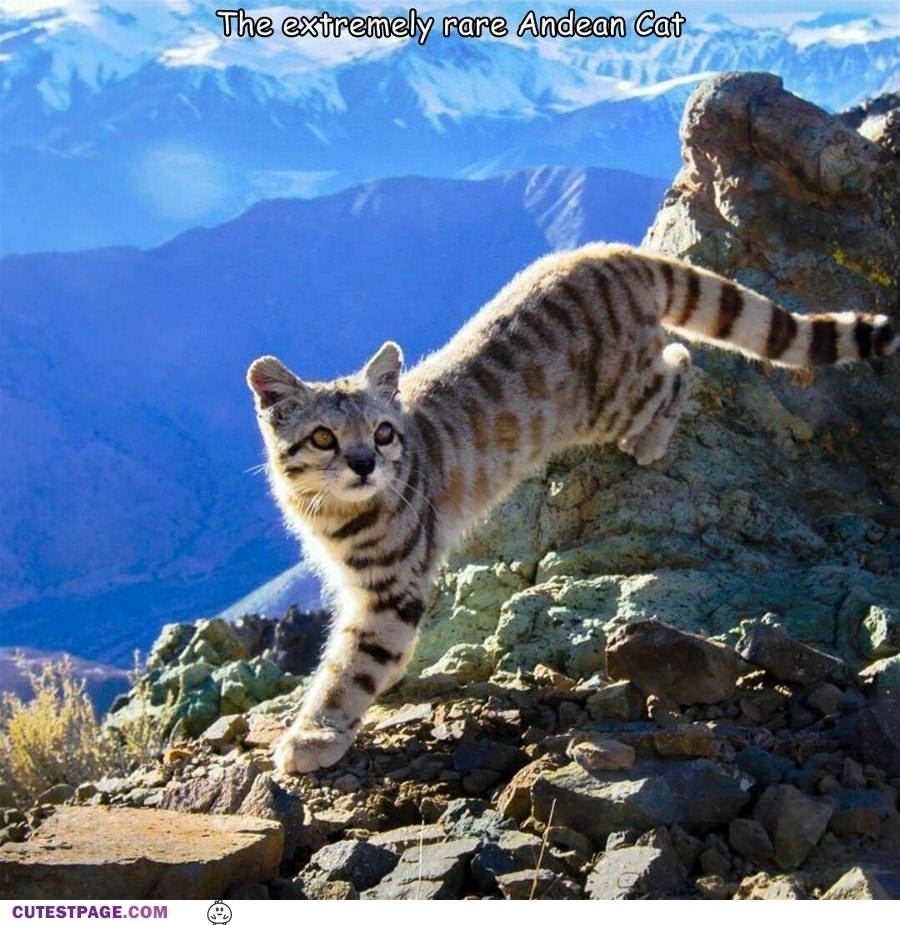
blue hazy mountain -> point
(126, 123)
(128, 496)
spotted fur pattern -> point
(572, 351)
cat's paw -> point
(308, 746)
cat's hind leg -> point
(658, 406)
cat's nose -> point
(362, 462)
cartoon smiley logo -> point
(218, 913)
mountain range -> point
(128, 123)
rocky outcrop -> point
(780, 495)
(96, 853)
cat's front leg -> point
(369, 644)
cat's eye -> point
(384, 433)
(323, 439)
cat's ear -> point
(270, 381)
(382, 372)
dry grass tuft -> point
(56, 738)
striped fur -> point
(570, 352)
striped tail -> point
(705, 307)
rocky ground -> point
(549, 740)
(767, 770)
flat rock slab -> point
(95, 852)
(430, 872)
(698, 795)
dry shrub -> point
(56, 738)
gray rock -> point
(785, 658)
(428, 872)
(865, 882)
(748, 838)
(635, 872)
(621, 838)
(268, 798)
(826, 698)
(662, 660)
(57, 794)
(873, 733)
(354, 861)
(598, 753)
(221, 791)
(688, 740)
(225, 730)
(859, 812)
(620, 700)
(537, 884)
(764, 767)
(697, 795)
(793, 821)
(399, 840)
(513, 851)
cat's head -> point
(332, 441)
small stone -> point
(322, 888)
(764, 767)
(550, 677)
(865, 882)
(793, 821)
(58, 794)
(537, 884)
(268, 798)
(784, 658)
(203, 793)
(663, 711)
(714, 861)
(515, 799)
(226, 730)
(686, 846)
(826, 699)
(828, 783)
(629, 873)
(748, 838)
(408, 836)
(618, 701)
(262, 730)
(410, 714)
(713, 886)
(621, 839)
(83, 792)
(569, 839)
(694, 740)
(859, 812)
(873, 732)
(346, 783)
(570, 714)
(764, 886)
(852, 776)
(596, 753)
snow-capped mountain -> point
(129, 496)
(127, 122)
